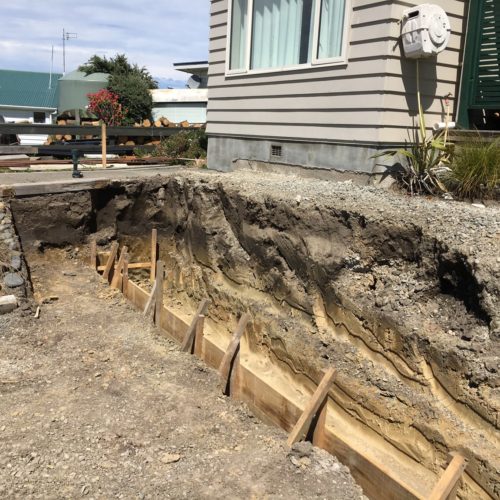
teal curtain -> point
(281, 33)
(331, 28)
(238, 34)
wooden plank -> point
(151, 300)
(198, 338)
(115, 282)
(132, 265)
(227, 360)
(93, 254)
(378, 481)
(104, 145)
(154, 253)
(320, 427)
(35, 128)
(188, 338)
(160, 275)
(125, 274)
(18, 150)
(318, 398)
(449, 480)
(111, 260)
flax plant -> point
(424, 158)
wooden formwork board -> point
(378, 481)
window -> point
(276, 34)
(38, 117)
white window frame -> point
(315, 62)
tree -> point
(104, 104)
(129, 81)
(133, 94)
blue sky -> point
(152, 34)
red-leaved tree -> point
(104, 104)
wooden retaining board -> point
(377, 480)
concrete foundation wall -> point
(314, 159)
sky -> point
(152, 34)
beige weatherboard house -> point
(326, 84)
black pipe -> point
(76, 173)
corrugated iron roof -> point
(27, 88)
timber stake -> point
(154, 253)
(447, 485)
(197, 349)
(228, 360)
(115, 282)
(125, 275)
(318, 398)
(111, 260)
(191, 331)
(160, 275)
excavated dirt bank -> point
(401, 295)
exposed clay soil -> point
(94, 403)
(401, 295)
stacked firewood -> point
(129, 140)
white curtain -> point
(331, 28)
(277, 33)
(238, 34)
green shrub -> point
(475, 169)
(190, 144)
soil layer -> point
(401, 295)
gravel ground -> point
(95, 404)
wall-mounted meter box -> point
(425, 31)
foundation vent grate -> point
(276, 151)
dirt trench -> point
(401, 297)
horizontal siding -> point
(312, 133)
(372, 94)
(335, 99)
(390, 84)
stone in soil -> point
(13, 280)
(15, 262)
(7, 304)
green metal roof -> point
(27, 88)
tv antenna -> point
(66, 35)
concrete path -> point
(32, 183)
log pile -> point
(120, 140)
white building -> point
(189, 104)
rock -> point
(300, 462)
(15, 262)
(302, 449)
(381, 301)
(7, 304)
(51, 298)
(170, 458)
(2, 216)
(13, 280)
